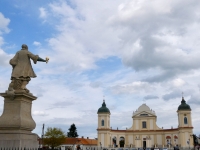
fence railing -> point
(96, 148)
(148, 148)
(17, 148)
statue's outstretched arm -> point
(40, 59)
(36, 58)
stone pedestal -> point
(16, 122)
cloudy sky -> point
(129, 51)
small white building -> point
(79, 144)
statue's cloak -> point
(22, 65)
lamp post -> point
(42, 141)
(42, 135)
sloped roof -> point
(80, 141)
(144, 109)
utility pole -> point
(42, 135)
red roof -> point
(80, 141)
(175, 137)
(168, 137)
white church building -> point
(144, 131)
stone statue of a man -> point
(22, 70)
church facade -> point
(144, 131)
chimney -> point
(87, 137)
(82, 137)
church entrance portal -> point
(144, 144)
(122, 141)
(114, 141)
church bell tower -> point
(103, 126)
(185, 124)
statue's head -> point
(24, 46)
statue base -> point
(18, 140)
(16, 122)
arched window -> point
(185, 120)
(102, 122)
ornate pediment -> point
(144, 114)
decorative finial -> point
(182, 95)
(104, 98)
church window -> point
(143, 114)
(144, 124)
(185, 120)
(102, 122)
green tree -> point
(54, 137)
(72, 131)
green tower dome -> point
(183, 105)
(103, 109)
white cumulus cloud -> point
(36, 43)
(4, 24)
(178, 82)
(43, 12)
(39, 113)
